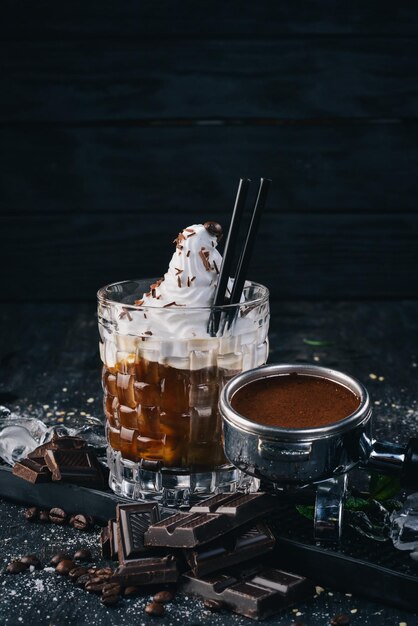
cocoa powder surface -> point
(295, 401)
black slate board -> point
(376, 571)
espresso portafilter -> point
(290, 460)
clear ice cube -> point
(15, 443)
(404, 525)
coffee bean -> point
(31, 559)
(60, 556)
(92, 570)
(104, 571)
(110, 600)
(112, 589)
(44, 516)
(214, 229)
(94, 587)
(64, 567)
(340, 620)
(213, 605)
(98, 580)
(76, 572)
(154, 608)
(132, 591)
(57, 516)
(31, 514)
(16, 567)
(163, 596)
(82, 580)
(83, 554)
(81, 522)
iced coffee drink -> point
(166, 354)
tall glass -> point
(161, 392)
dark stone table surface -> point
(49, 366)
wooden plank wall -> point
(120, 123)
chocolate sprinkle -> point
(179, 281)
(204, 256)
(125, 313)
(188, 253)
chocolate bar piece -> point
(109, 540)
(58, 443)
(230, 550)
(74, 465)
(133, 521)
(209, 519)
(33, 470)
(147, 571)
(254, 594)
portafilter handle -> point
(391, 458)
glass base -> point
(172, 489)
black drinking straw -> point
(244, 260)
(228, 255)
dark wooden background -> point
(122, 122)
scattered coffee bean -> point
(31, 514)
(16, 567)
(104, 572)
(340, 620)
(64, 567)
(154, 608)
(31, 559)
(132, 591)
(213, 605)
(112, 589)
(83, 554)
(60, 556)
(94, 587)
(71, 520)
(82, 580)
(163, 596)
(76, 572)
(110, 600)
(57, 516)
(44, 516)
(81, 522)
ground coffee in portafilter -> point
(295, 401)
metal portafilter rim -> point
(236, 420)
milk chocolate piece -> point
(147, 571)
(255, 594)
(74, 465)
(208, 520)
(32, 470)
(230, 550)
(58, 443)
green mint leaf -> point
(383, 487)
(306, 510)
